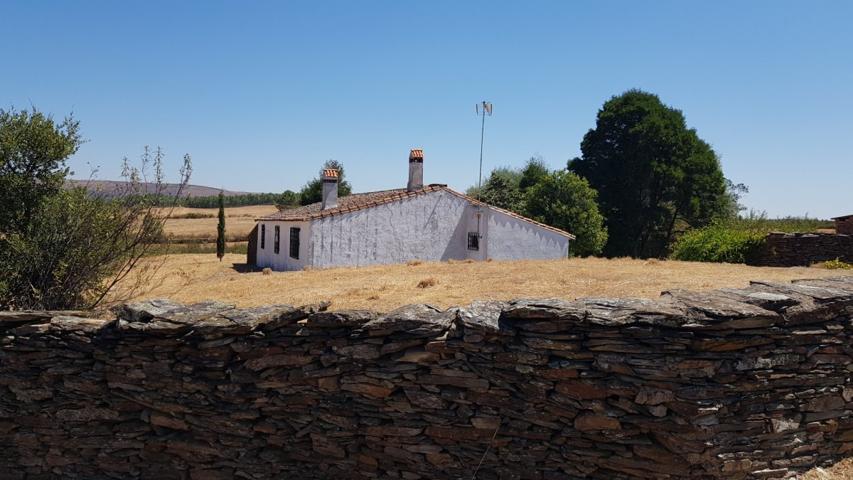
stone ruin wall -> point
(748, 383)
(844, 225)
(802, 249)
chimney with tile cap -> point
(330, 188)
(416, 170)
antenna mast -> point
(483, 108)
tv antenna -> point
(483, 109)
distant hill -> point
(110, 188)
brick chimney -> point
(416, 170)
(330, 188)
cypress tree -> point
(220, 229)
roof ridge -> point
(310, 211)
(510, 213)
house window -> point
(473, 241)
(294, 243)
(263, 235)
(276, 239)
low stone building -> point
(420, 222)
(844, 224)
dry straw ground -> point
(196, 277)
(239, 221)
(842, 470)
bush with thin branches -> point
(72, 246)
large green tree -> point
(654, 176)
(33, 150)
(506, 186)
(534, 171)
(312, 192)
(500, 189)
(566, 201)
(287, 199)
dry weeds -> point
(427, 282)
(842, 470)
(192, 278)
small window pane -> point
(294, 243)
(473, 241)
(276, 239)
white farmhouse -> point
(418, 222)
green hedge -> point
(718, 243)
(735, 240)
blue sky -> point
(260, 94)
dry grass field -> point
(842, 470)
(196, 277)
(239, 221)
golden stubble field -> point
(239, 221)
(197, 277)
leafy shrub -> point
(837, 264)
(734, 240)
(76, 251)
(64, 248)
(718, 242)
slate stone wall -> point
(802, 249)
(749, 383)
(844, 225)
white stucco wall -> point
(426, 227)
(282, 261)
(433, 226)
(510, 238)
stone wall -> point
(844, 225)
(749, 383)
(796, 249)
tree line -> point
(311, 192)
(643, 179)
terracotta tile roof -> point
(330, 173)
(361, 201)
(349, 203)
(416, 153)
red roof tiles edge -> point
(393, 197)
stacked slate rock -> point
(802, 249)
(746, 383)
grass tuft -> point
(837, 264)
(427, 282)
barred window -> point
(276, 239)
(294, 243)
(473, 241)
(263, 235)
